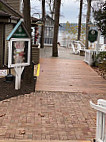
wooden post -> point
(18, 71)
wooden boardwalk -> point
(69, 76)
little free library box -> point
(19, 48)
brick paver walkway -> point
(59, 109)
(42, 141)
(48, 116)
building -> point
(10, 14)
(16, 4)
(49, 29)
(8, 19)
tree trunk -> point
(27, 17)
(43, 26)
(80, 18)
(87, 22)
(51, 4)
(56, 27)
(28, 72)
(104, 40)
(53, 11)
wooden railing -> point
(35, 53)
(101, 120)
(90, 52)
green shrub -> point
(100, 60)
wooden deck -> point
(69, 76)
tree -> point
(100, 18)
(56, 27)
(68, 27)
(80, 17)
(43, 26)
(51, 4)
(71, 28)
(28, 73)
(87, 22)
(26, 13)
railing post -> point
(101, 120)
(102, 128)
(99, 125)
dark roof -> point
(11, 9)
(47, 16)
(34, 19)
(4, 14)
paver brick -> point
(63, 121)
(59, 109)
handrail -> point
(98, 107)
(101, 120)
(78, 41)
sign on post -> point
(3, 72)
(92, 35)
(19, 52)
(19, 44)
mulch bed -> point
(100, 72)
(7, 89)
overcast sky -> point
(69, 10)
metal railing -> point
(101, 120)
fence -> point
(101, 120)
